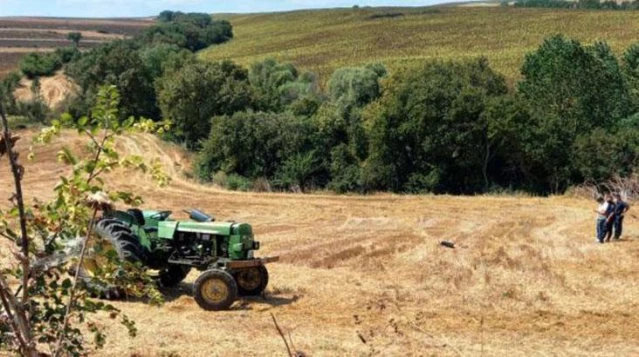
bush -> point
(255, 145)
(194, 31)
(67, 54)
(35, 64)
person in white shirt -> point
(601, 210)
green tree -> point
(260, 145)
(161, 57)
(631, 70)
(570, 90)
(279, 85)
(427, 132)
(119, 64)
(191, 95)
(193, 31)
(356, 87)
(75, 37)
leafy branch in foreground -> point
(44, 311)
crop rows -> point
(329, 39)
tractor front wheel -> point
(251, 281)
(215, 290)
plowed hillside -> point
(364, 276)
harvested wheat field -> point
(364, 276)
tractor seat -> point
(137, 215)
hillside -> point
(323, 40)
(21, 35)
(526, 278)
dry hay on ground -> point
(54, 90)
(364, 276)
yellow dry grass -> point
(526, 278)
(53, 90)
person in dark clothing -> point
(621, 208)
(610, 217)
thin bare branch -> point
(279, 330)
(5, 291)
(17, 171)
(75, 284)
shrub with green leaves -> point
(44, 311)
(258, 145)
(36, 64)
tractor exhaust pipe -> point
(199, 216)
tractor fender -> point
(166, 229)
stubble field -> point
(21, 35)
(365, 275)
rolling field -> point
(324, 40)
(365, 275)
(21, 35)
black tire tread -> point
(215, 274)
(257, 291)
(127, 247)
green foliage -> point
(355, 87)
(601, 155)
(135, 65)
(257, 145)
(191, 95)
(570, 90)
(8, 86)
(35, 64)
(157, 59)
(427, 132)
(193, 31)
(233, 182)
(277, 86)
(117, 63)
(75, 37)
(67, 54)
(630, 65)
(61, 317)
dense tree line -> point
(439, 126)
(443, 127)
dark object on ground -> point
(447, 244)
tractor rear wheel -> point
(215, 290)
(251, 281)
(174, 275)
(109, 236)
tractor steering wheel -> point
(161, 216)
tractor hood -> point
(167, 229)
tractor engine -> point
(201, 242)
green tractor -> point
(223, 251)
